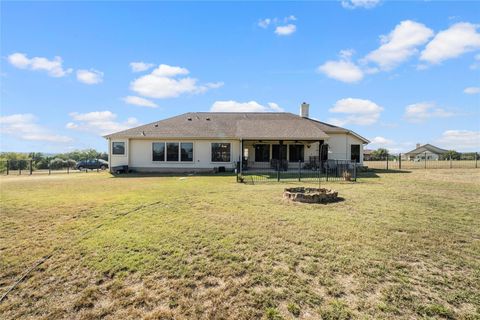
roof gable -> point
(427, 148)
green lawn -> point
(400, 246)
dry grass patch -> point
(402, 246)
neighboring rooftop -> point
(427, 147)
(237, 125)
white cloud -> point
(251, 106)
(25, 126)
(264, 23)
(472, 90)
(99, 122)
(285, 30)
(400, 44)
(282, 26)
(352, 4)
(164, 82)
(460, 140)
(53, 67)
(358, 111)
(140, 66)
(476, 64)
(381, 141)
(420, 112)
(139, 101)
(89, 76)
(459, 38)
(342, 70)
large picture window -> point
(296, 152)
(118, 147)
(186, 149)
(262, 153)
(172, 151)
(158, 149)
(220, 152)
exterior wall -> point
(140, 156)
(117, 159)
(340, 146)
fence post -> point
(450, 162)
(278, 172)
(476, 159)
(49, 169)
(31, 168)
(399, 161)
(68, 168)
(299, 170)
(354, 172)
(8, 166)
(387, 161)
(19, 168)
(425, 159)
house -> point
(424, 152)
(203, 141)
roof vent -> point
(208, 119)
(143, 133)
(189, 119)
(156, 125)
(304, 110)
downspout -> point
(241, 156)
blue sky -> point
(397, 73)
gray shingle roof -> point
(237, 125)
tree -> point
(380, 154)
(451, 154)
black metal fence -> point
(276, 170)
(401, 162)
(30, 167)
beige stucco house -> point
(203, 141)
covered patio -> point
(282, 155)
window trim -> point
(124, 148)
(165, 142)
(229, 155)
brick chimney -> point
(418, 145)
(304, 110)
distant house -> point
(425, 152)
(201, 141)
(367, 154)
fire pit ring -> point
(310, 195)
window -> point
(186, 149)
(262, 153)
(220, 152)
(118, 147)
(278, 153)
(172, 151)
(158, 153)
(296, 152)
(355, 152)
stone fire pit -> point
(310, 195)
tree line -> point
(382, 154)
(19, 160)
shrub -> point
(57, 163)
